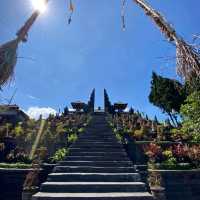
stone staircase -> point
(96, 169)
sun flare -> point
(39, 5)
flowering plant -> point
(181, 152)
(153, 151)
(194, 155)
(177, 156)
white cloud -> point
(35, 112)
(32, 97)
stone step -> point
(96, 145)
(97, 142)
(98, 158)
(81, 153)
(99, 122)
(96, 187)
(97, 136)
(99, 127)
(102, 148)
(89, 169)
(105, 150)
(97, 163)
(100, 139)
(99, 130)
(97, 133)
(93, 177)
(93, 196)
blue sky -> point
(64, 63)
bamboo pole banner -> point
(188, 57)
(123, 15)
(71, 11)
(37, 140)
(22, 34)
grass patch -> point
(15, 165)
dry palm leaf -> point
(8, 59)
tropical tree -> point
(192, 86)
(131, 111)
(167, 94)
(66, 111)
(190, 112)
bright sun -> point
(39, 5)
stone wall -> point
(11, 181)
(181, 184)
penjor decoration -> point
(123, 14)
(8, 59)
(8, 51)
(188, 57)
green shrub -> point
(119, 137)
(60, 155)
(138, 134)
(190, 112)
(81, 130)
(72, 138)
(18, 156)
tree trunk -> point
(175, 118)
(172, 119)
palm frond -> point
(188, 57)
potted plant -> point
(155, 182)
